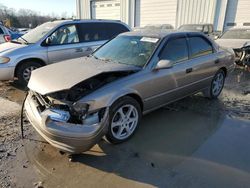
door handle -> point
(189, 70)
(217, 61)
(79, 50)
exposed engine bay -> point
(242, 56)
(66, 100)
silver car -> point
(75, 103)
(53, 42)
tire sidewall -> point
(211, 87)
(113, 109)
(21, 69)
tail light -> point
(7, 38)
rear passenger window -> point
(115, 29)
(175, 50)
(199, 47)
(89, 32)
(1, 31)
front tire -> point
(23, 72)
(125, 116)
(216, 86)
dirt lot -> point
(192, 143)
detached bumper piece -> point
(53, 126)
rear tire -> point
(124, 120)
(24, 70)
(216, 86)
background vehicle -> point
(23, 30)
(160, 27)
(133, 74)
(53, 42)
(14, 34)
(239, 40)
(5, 35)
(207, 29)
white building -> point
(221, 13)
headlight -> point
(81, 108)
(4, 60)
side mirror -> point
(164, 64)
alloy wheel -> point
(217, 84)
(27, 72)
(124, 122)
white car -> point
(239, 40)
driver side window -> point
(65, 35)
(175, 50)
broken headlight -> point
(81, 108)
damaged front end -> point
(242, 56)
(65, 121)
(56, 123)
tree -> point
(24, 17)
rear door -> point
(64, 44)
(202, 60)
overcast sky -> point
(43, 6)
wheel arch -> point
(224, 69)
(38, 60)
(132, 95)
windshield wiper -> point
(92, 55)
(15, 41)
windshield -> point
(39, 32)
(191, 28)
(237, 34)
(130, 50)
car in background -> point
(14, 34)
(5, 34)
(23, 30)
(160, 27)
(207, 29)
(239, 40)
(52, 42)
(73, 104)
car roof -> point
(158, 33)
(86, 21)
(75, 21)
(201, 24)
(239, 28)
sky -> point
(43, 7)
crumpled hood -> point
(233, 43)
(9, 46)
(66, 74)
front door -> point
(64, 44)
(166, 84)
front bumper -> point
(6, 73)
(72, 138)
